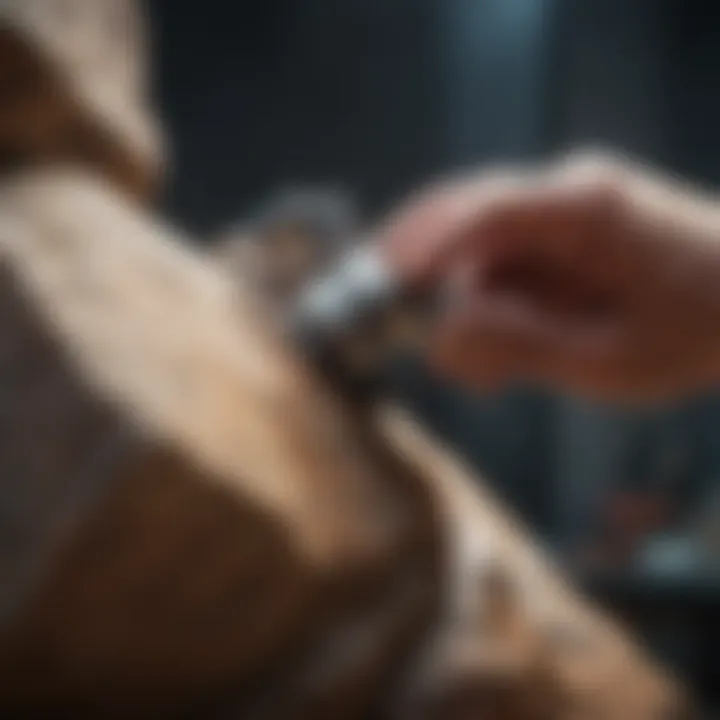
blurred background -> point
(380, 95)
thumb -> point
(427, 234)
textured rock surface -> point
(183, 507)
(515, 640)
(191, 523)
(73, 87)
(512, 640)
(194, 525)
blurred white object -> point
(672, 555)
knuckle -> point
(602, 176)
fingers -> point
(498, 341)
(541, 254)
(424, 237)
(505, 213)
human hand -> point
(593, 276)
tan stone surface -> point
(513, 640)
(73, 81)
(186, 503)
(534, 649)
(191, 523)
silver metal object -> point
(360, 285)
(353, 320)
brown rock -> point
(512, 641)
(193, 524)
(186, 512)
(73, 87)
(542, 650)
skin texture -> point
(592, 276)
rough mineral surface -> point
(184, 510)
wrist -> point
(704, 235)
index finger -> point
(488, 218)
